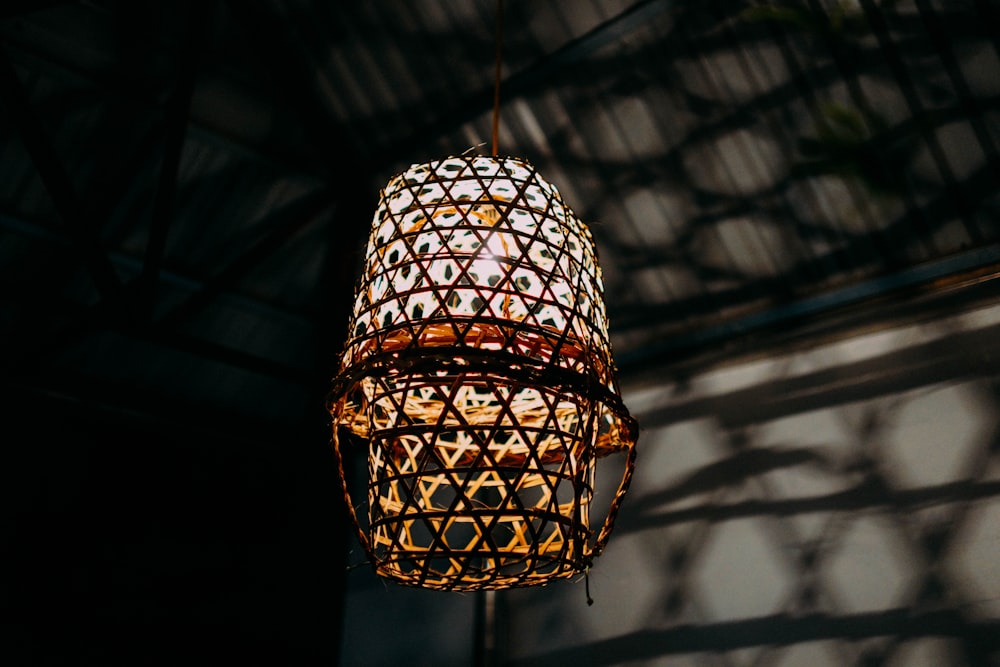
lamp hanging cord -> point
(496, 84)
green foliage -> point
(846, 19)
(857, 143)
(861, 145)
(790, 15)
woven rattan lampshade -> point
(479, 370)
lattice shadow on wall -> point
(831, 512)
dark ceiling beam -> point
(161, 335)
(177, 114)
(283, 225)
(958, 355)
(128, 265)
(526, 80)
(293, 74)
(979, 185)
(14, 8)
(120, 91)
(119, 308)
(302, 215)
(14, 99)
(212, 351)
(86, 397)
(978, 268)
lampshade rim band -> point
(494, 363)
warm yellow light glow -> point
(479, 369)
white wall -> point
(826, 507)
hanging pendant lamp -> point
(478, 368)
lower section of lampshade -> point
(476, 481)
(504, 533)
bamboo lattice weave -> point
(478, 367)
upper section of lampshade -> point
(479, 259)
